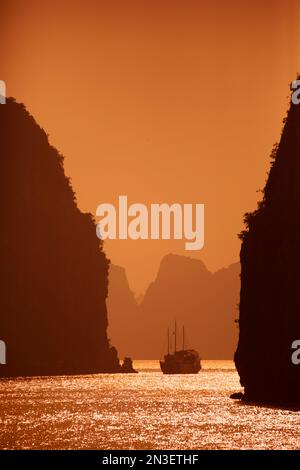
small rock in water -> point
(127, 367)
(237, 396)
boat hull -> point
(180, 369)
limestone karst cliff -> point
(185, 290)
(123, 311)
(53, 284)
(269, 318)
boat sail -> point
(183, 361)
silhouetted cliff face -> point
(270, 260)
(53, 274)
(184, 290)
(205, 303)
(123, 313)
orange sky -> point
(169, 101)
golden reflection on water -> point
(148, 410)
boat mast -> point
(183, 338)
(168, 342)
(175, 333)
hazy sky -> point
(163, 101)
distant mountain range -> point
(185, 290)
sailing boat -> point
(183, 361)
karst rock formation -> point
(54, 274)
(269, 318)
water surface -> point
(148, 410)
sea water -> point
(148, 410)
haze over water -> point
(148, 410)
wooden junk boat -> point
(182, 361)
